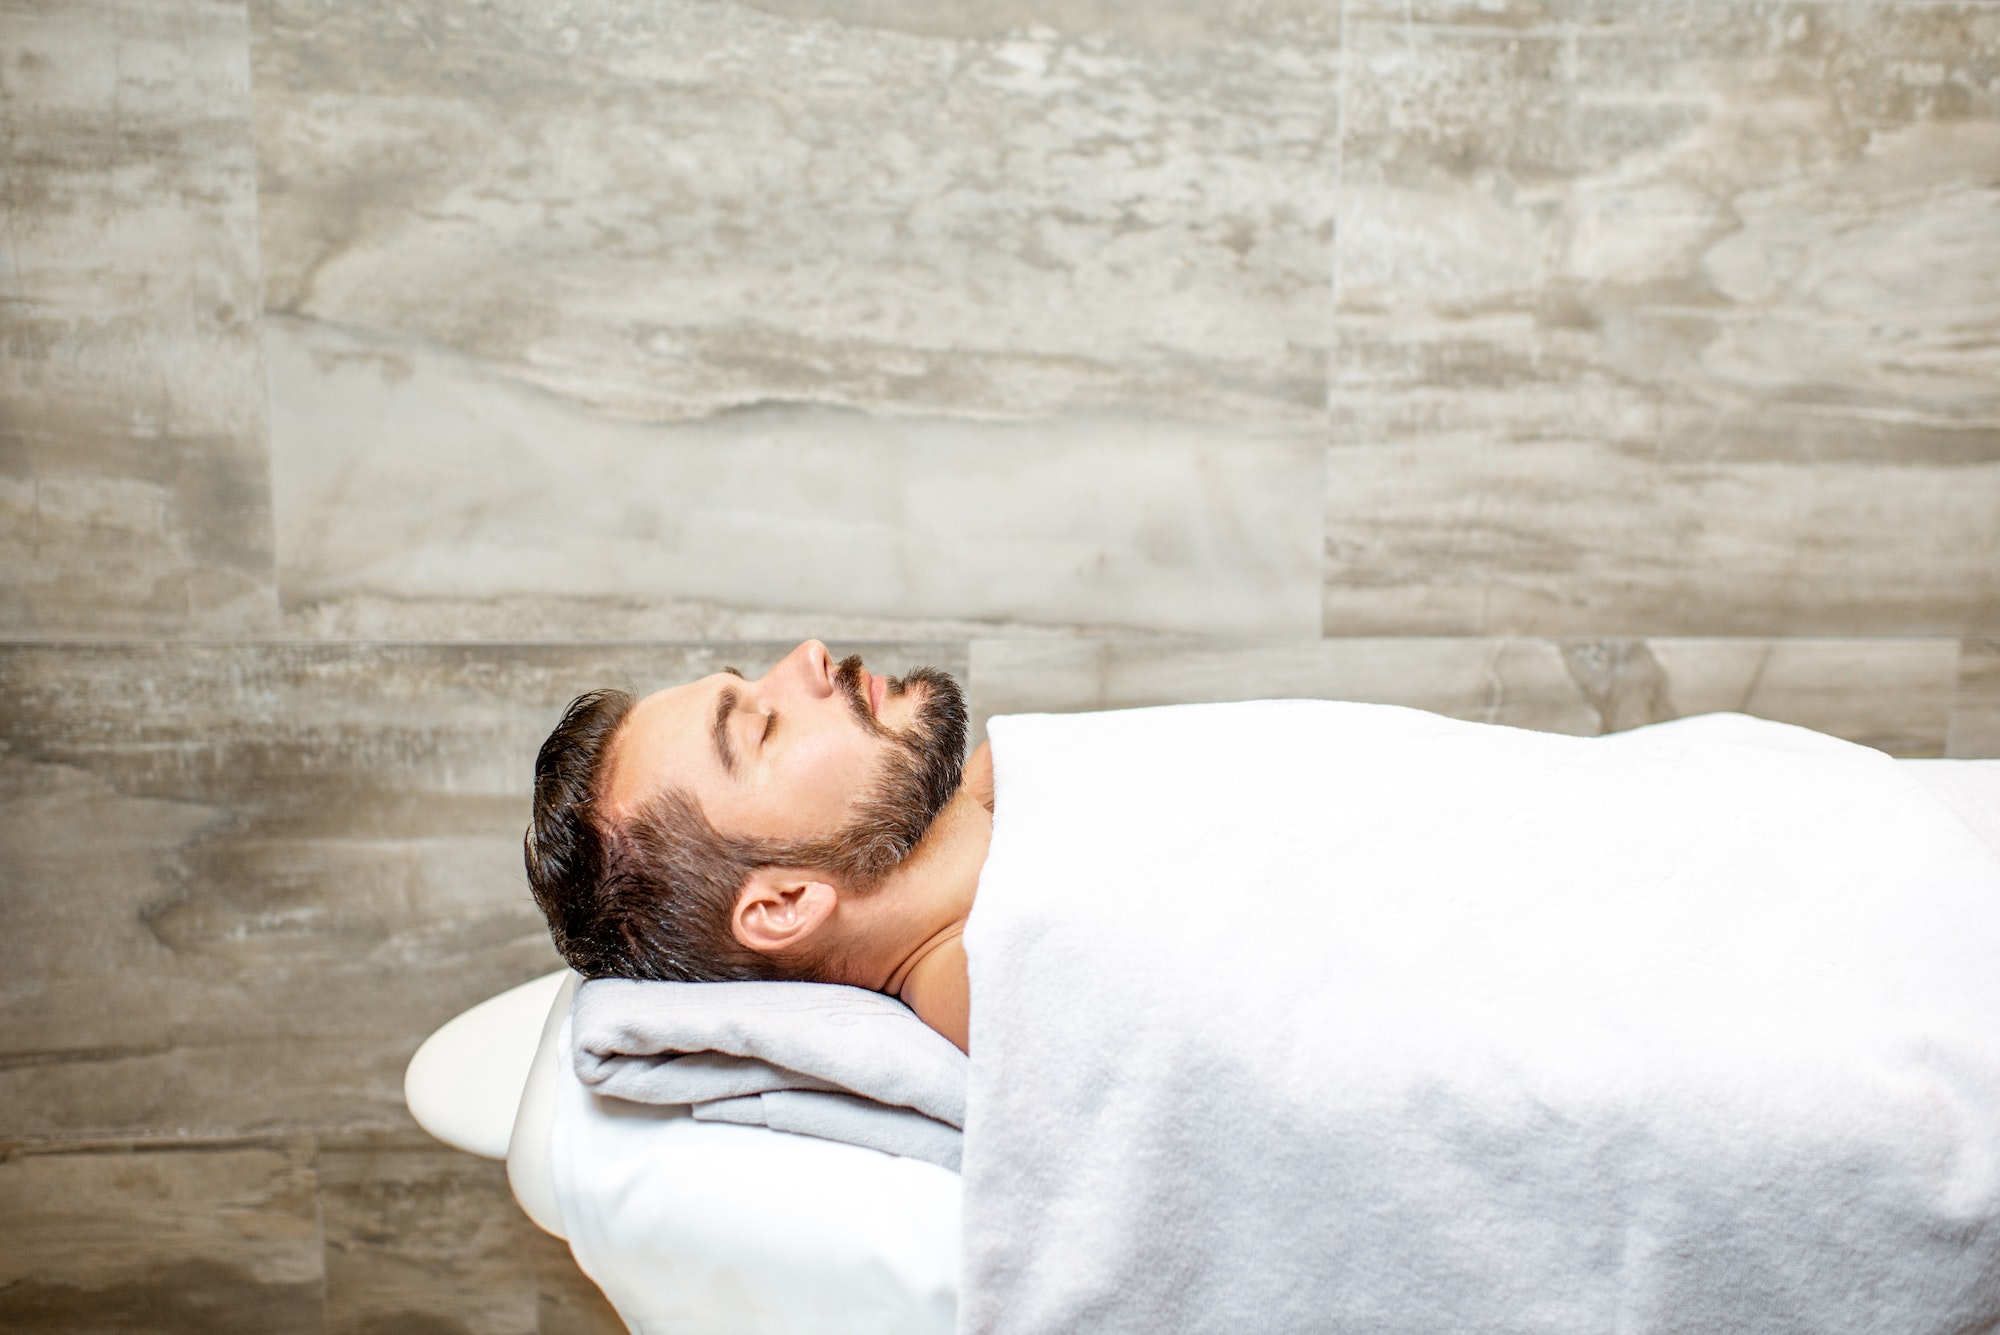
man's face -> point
(807, 753)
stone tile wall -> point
(1667, 319)
(378, 376)
(134, 464)
(1896, 694)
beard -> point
(919, 771)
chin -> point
(900, 713)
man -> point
(817, 823)
(1304, 1015)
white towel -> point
(841, 1063)
(1298, 1016)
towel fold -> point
(816, 1059)
(843, 1117)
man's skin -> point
(789, 761)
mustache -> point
(847, 676)
(919, 771)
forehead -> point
(665, 733)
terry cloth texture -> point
(840, 1063)
(1306, 1016)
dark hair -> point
(650, 897)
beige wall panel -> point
(1975, 714)
(669, 210)
(420, 494)
(169, 1238)
(1668, 319)
(1518, 682)
(240, 884)
(134, 496)
(1571, 537)
(421, 1237)
(1892, 694)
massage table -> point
(695, 1226)
(689, 1226)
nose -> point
(811, 665)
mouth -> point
(878, 693)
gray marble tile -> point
(422, 1238)
(161, 1239)
(670, 210)
(134, 493)
(1667, 320)
(1463, 534)
(240, 883)
(421, 493)
(1975, 713)
(1523, 683)
(1893, 694)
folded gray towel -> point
(843, 1117)
(840, 1063)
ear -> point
(780, 909)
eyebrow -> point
(718, 728)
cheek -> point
(834, 768)
(814, 785)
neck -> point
(920, 905)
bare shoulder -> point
(939, 991)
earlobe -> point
(779, 911)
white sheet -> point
(1305, 1016)
(698, 1228)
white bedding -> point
(701, 1228)
(1307, 1016)
(694, 1227)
